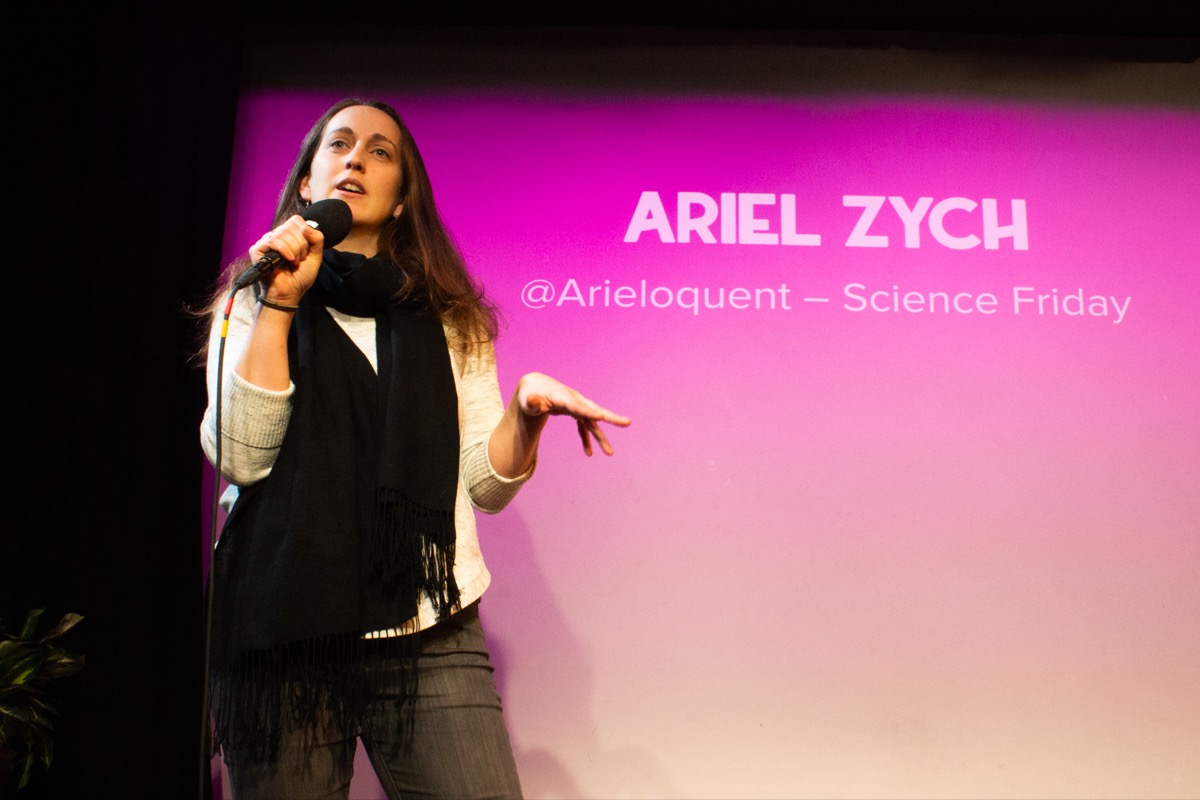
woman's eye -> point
(382, 153)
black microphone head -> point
(331, 217)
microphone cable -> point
(204, 790)
(333, 218)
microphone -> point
(331, 217)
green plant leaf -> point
(19, 667)
(21, 713)
(61, 668)
(28, 667)
(65, 624)
(24, 770)
(31, 621)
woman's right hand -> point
(301, 247)
(264, 361)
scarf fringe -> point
(318, 684)
(413, 552)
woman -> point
(361, 423)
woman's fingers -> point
(585, 436)
(590, 429)
(292, 239)
(542, 395)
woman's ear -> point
(305, 192)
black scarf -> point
(355, 520)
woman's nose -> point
(354, 159)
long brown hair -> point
(417, 239)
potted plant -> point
(28, 667)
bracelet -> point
(264, 301)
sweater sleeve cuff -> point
(490, 491)
(259, 417)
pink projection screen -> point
(909, 506)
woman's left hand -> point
(538, 396)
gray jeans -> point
(460, 746)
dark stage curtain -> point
(119, 133)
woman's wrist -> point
(260, 298)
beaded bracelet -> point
(264, 301)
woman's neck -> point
(365, 243)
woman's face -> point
(358, 160)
